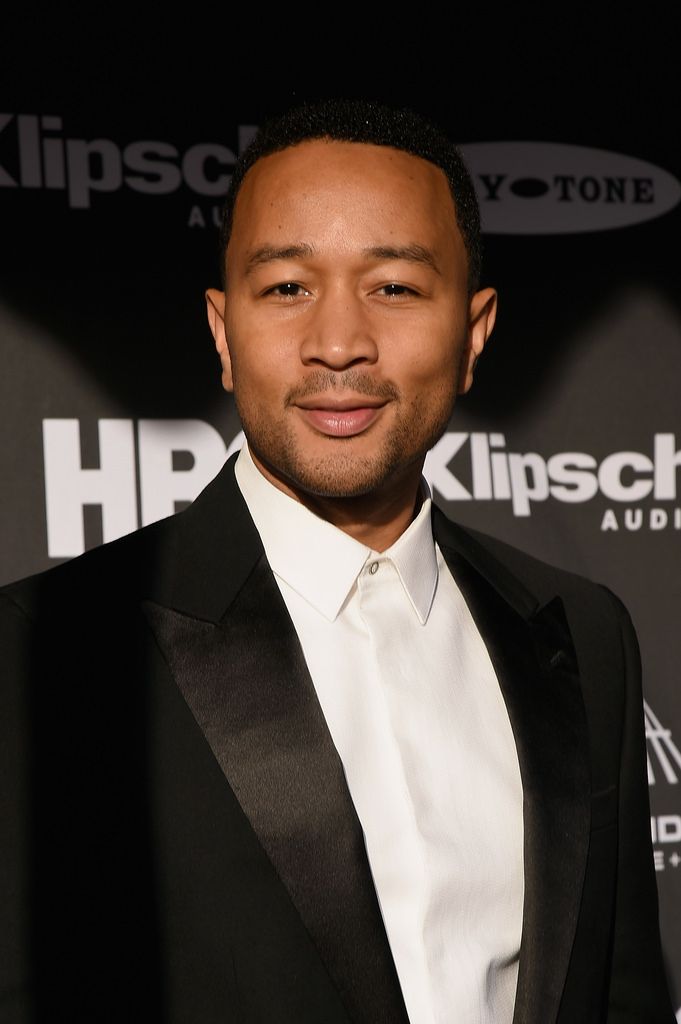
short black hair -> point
(375, 124)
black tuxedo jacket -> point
(178, 841)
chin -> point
(349, 476)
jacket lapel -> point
(532, 653)
(235, 656)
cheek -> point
(261, 351)
(260, 382)
(434, 339)
(435, 367)
(249, 378)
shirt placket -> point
(391, 620)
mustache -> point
(359, 383)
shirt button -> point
(373, 568)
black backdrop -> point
(107, 362)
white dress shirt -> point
(414, 708)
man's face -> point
(346, 330)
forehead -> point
(312, 186)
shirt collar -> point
(321, 562)
(414, 556)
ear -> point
(215, 306)
(481, 317)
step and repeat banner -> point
(569, 445)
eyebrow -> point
(268, 253)
(413, 253)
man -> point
(308, 751)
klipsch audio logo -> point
(478, 467)
(539, 188)
(36, 153)
(664, 766)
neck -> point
(375, 523)
(376, 519)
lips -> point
(344, 417)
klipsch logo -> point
(664, 765)
(478, 467)
(539, 188)
(36, 153)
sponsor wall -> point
(569, 446)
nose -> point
(338, 332)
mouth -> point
(340, 416)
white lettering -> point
(55, 165)
(500, 477)
(29, 151)
(633, 518)
(667, 461)
(666, 828)
(572, 484)
(480, 467)
(196, 218)
(160, 484)
(658, 518)
(156, 176)
(167, 478)
(92, 166)
(68, 487)
(436, 468)
(523, 488)
(83, 166)
(247, 133)
(610, 476)
(194, 168)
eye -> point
(396, 291)
(287, 290)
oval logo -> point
(547, 188)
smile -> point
(341, 419)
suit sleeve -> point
(638, 988)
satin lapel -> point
(246, 683)
(532, 653)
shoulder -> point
(541, 578)
(93, 577)
(586, 619)
(189, 560)
(590, 606)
